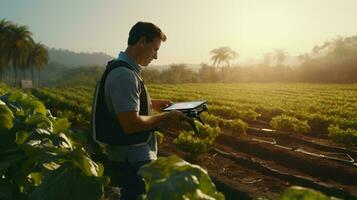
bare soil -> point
(264, 163)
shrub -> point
(197, 144)
(237, 125)
(318, 122)
(267, 113)
(348, 136)
(287, 123)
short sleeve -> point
(123, 90)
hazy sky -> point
(193, 27)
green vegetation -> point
(286, 123)
(40, 155)
(333, 62)
(236, 125)
(198, 143)
(301, 108)
(19, 49)
(301, 193)
(348, 136)
(189, 181)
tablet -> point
(184, 105)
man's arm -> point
(132, 122)
(158, 104)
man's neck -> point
(132, 54)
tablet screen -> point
(184, 105)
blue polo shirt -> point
(122, 94)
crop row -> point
(296, 116)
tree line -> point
(20, 52)
(333, 62)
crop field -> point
(258, 139)
(315, 109)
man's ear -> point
(142, 41)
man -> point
(123, 117)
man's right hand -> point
(177, 120)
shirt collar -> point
(126, 58)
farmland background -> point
(286, 116)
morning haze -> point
(244, 99)
(194, 28)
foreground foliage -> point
(41, 157)
(174, 178)
(301, 193)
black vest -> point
(106, 127)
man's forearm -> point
(145, 123)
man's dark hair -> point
(149, 30)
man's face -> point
(149, 51)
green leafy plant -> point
(237, 126)
(197, 143)
(348, 136)
(39, 157)
(301, 193)
(176, 179)
(318, 122)
(287, 123)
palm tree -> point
(340, 47)
(38, 57)
(4, 38)
(19, 46)
(222, 55)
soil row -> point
(262, 161)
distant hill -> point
(194, 67)
(73, 59)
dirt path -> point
(258, 166)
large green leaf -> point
(87, 165)
(33, 106)
(301, 193)
(46, 147)
(71, 184)
(61, 125)
(38, 133)
(174, 178)
(21, 137)
(16, 110)
(36, 178)
(62, 141)
(39, 120)
(16, 97)
(79, 139)
(6, 118)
